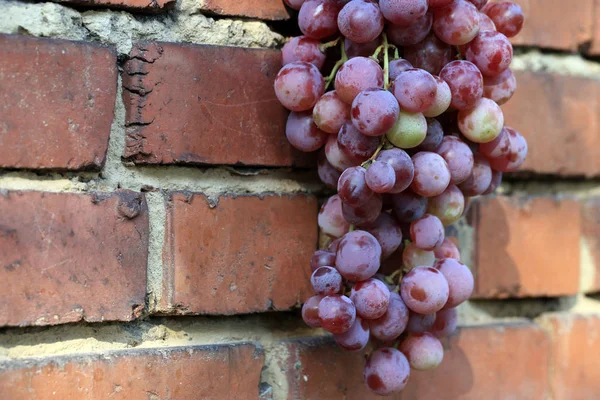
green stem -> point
(325, 46)
(374, 156)
(386, 63)
(396, 54)
(351, 228)
(337, 65)
(458, 55)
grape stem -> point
(374, 156)
(325, 46)
(338, 64)
(351, 228)
(386, 64)
(458, 55)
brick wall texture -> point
(156, 225)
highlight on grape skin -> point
(400, 100)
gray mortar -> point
(156, 240)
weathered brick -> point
(575, 345)
(549, 25)
(67, 257)
(261, 9)
(200, 104)
(239, 254)
(595, 47)
(558, 115)
(526, 247)
(56, 103)
(193, 372)
(590, 223)
(151, 6)
(483, 362)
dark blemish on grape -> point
(375, 382)
(418, 294)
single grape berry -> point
(356, 338)
(302, 48)
(427, 232)
(387, 371)
(310, 311)
(415, 89)
(331, 113)
(412, 34)
(371, 298)
(458, 157)
(380, 177)
(331, 220)
(460, 281)
(419, 323)
(326, 281)
(387, 232)
(391, 325)
(409, 206)
(457, 23)
(465, 81)
(352, 187)
(432, 175)
(364, 214)
(424, 290)
(422, 350)
(336, 313)
(360, 21)
(355, 144)
(445, 323)
(322, 258)
(491, 52)
(403, 12)
(448, 206)
(318, 18)
(327, 172)
(507, 17)
(480, 178)
(374, 112)
(337, 157)
(430, 54)
(302, 133)
(358, 257)
(447, 250)
(356, 75)
(402, 165)
(500, 88)
(299, 85)
(413, 257)
(409, 131)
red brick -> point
(262, 9)
(484, 362)
(548, 24)
(56, 103)
(595, 48)
(239, 254)
(526, 247)
(590, 223)
(134, 5)
(194, 372)
(559, 117)
(199, 104)
(67, 257)
(575, 344)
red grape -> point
(483, 122)
(396, 67)
(485, 23)
(310, 312)
(409, 206)
(516, 156)
(412, 34)
(491, 52)
(336, 313)
(299, 85)
(480, 178)
(318, 18)
(403, 12)
(458, 156)
(360, 49)
(465, 81)
(380, 177)
(327, 173)
(434, 137)
(457, 23)
(415, 257)
(500, 88)
(304, 49)
(445, 323)
(496, 181)
(326, 281)
(356, 338)
(352, 187)
(337, 157)
(365, 214)
(355, 144)
(424, 290)
(448, 206)
(393, 322)
(507, 16)
(402, 165)
(322, 258)
(439, 3)
(295, 4)
(478, 3)
(371, 298)
(358, 256)
(356, 75)
(331, 220)
(459, 278)
(331, 113)
(427, 232)
(387, 371)
(387, 232)
(498, 147)
(447, 250)
(415, 90)
(432, 175)
(430, 54)
(419, 323)
(443, 98)
(360, 21)
(422, 350)
(302, 133)
(374, 112)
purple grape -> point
(322, 258)
(465, 81)
(393, 322)
(396, 67)
(460, 281)
(434, 137)
(448, 206)
(427, 232)
(302, 133)
(387, 371)
(331, 113)
(374, 111)
(413, 257)
(443, 98)
(356, 75)
(430, 54)
(327, 173)
(500, 88)
(333, 246)
(480, 178)
(326, 281)
(331, 220)
(356, 338)
(458, 156)
(338, 158)
(355, 144)
(412, 34)
(478, 3)
(365, 214)
(422, 350)
(432, 175)
(299, 85)
(516, 155)
(336, 313)
(439, 3)
(402, 165)
(419, 323)
(310, 312)
(415, 90)
(409, 206)
(318, 18)
(387, 232)
(445, 323)
(424, 290)
(380, 177)
(507, 17)
(491, 52)
(486, 23)
(360, 21)
(352, 187)
(358, 257)
(360, 49)
(305, 49)
(457, 23)
(403, 12)
(447, 250)
(294, 4)
(496, 181)
(371, 298)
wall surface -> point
(155, 225)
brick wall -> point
(155, 225)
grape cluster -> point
(411, 130)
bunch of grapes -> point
(408, 127)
